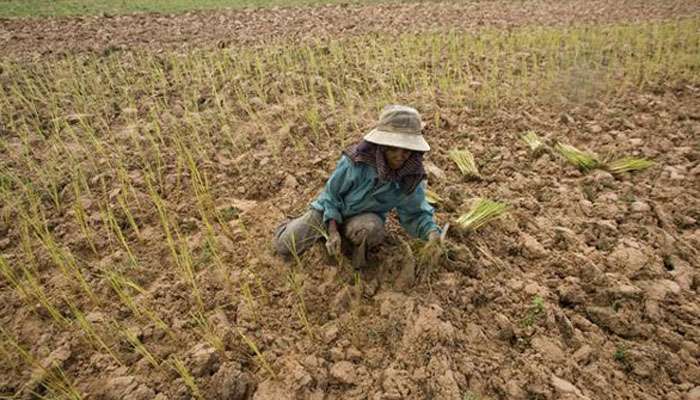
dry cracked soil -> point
(613, 259)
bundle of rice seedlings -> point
(483, 211)
(430, 253)
(432, 197)
(628, 164)
(583, 160)
(534, 142)
(465, 161)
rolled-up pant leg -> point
(367, 226)
(295, 236)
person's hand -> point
(333, 241)
(434, 236)
(431, 253)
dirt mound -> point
(24, 38)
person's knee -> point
(367, 227)
(281, 248)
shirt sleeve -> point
(416, 215)
(331, 200)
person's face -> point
(396, 156)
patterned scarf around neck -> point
(408, 176)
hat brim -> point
(414, 142)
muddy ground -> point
(613, 258)
(57, 36)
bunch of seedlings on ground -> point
(537, 146)
(628, 164)
(430, 254)
(482, 212)
(465, 161)
(584, 161)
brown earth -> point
(614, 258)
(22, 38)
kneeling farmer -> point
(382, 172)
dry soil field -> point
(146, 160)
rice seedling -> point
(628, 164)
(51, 378)
(91, 334)
(260, 358)
(122, 286)
(138, 346)
(249, 299)
(296, 285)
(533, 141)
(482, 212)
(37, 291)
(432, 197)
(207, 332)
(465, 162)
(187, 377)
(12, 278)
(584, 161)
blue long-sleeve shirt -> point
(354, 188)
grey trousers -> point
(296, 235)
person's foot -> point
(359, 255)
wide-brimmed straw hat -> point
(399, 126)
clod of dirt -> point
(57, 358)
(583, 355)
(532, 249)
(570, 292)
(427, 326)
(396, 384)
(229, 383)
(353, 354)
(272, 390)
(548, 349)
(642, 364)
(344, 372)
(659, 289)
(290, 182)
(341, 301)
(435, 173)
(330, 333)
(443, 383)
(693, 394)
(203, 360)
(628, 256)
(125, 388)
(296, 376)
(607, 318)
(565, 387)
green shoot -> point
(628, 164)
(187, 377)
(535, 312)
(482, 212)
(582, 160)
(432, 197)
(465, 161)
(534, 142)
